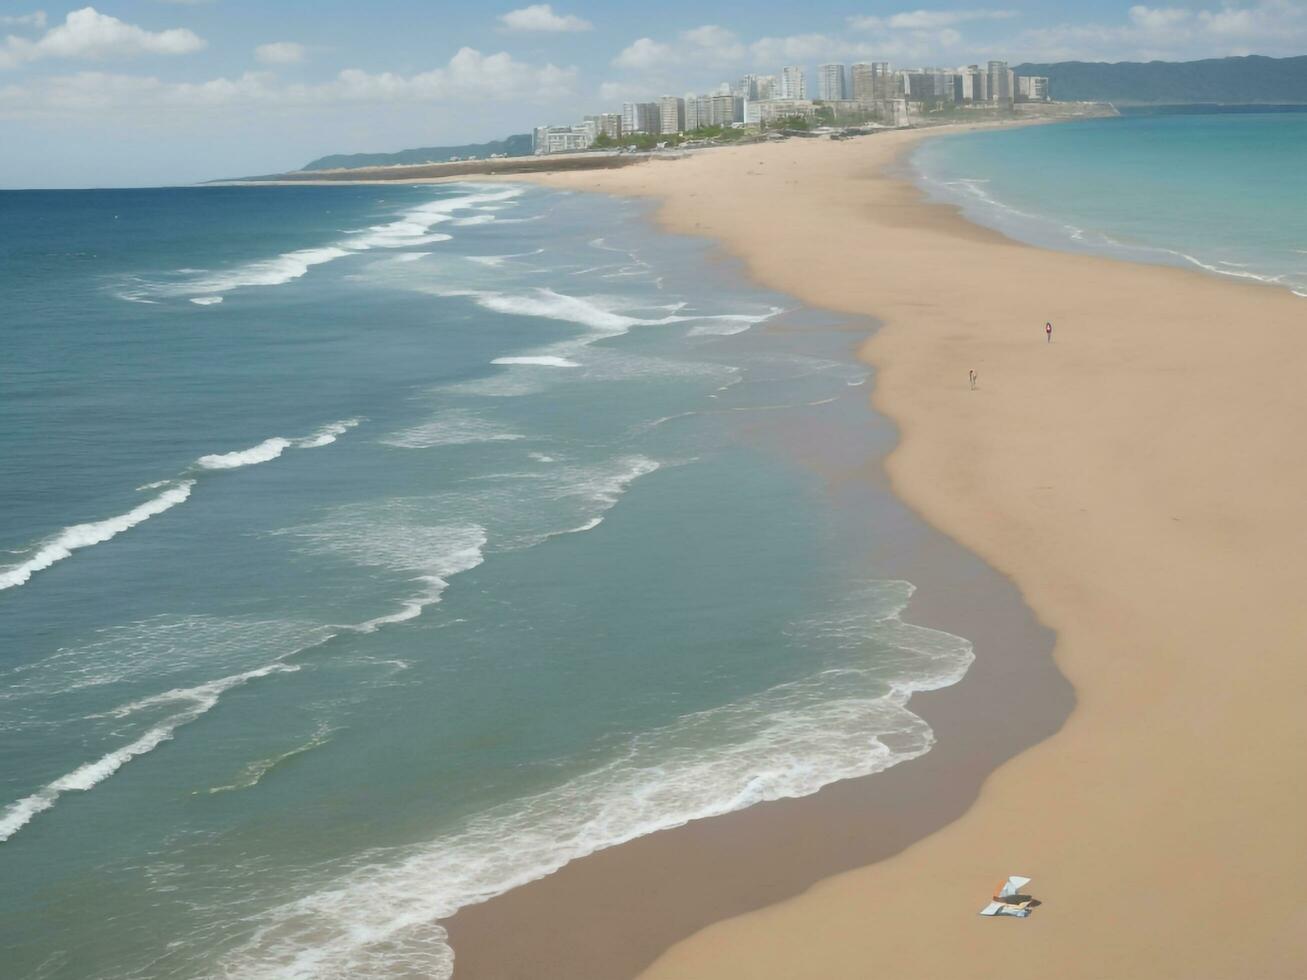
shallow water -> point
(369, 551)
(1225, 192)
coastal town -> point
(865, 94)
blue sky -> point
(165, 91)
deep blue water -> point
(1223, 191)
(368, 551)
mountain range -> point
(1243, 80)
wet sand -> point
(1141, 481)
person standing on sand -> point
(971, 376)
(1048, 331)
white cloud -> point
(702, 47)
(1175, 33)
(713, 42)
(1158, 18)
(541, 17)
(87, 33)
(645, 53)
(35, 19)
(280, 53)
(469, 77)
(925, 20)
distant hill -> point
(1250, 79)
(513, 146)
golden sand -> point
(1143, 481)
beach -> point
(1137, 480)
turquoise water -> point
(1226, 192)
(365, 552)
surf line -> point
(76, 537)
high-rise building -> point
(793, 83)
(931, 85)
(872, 81)
(975, 84)
(698, 112)
(727, 109)
(671, 114)
(860, 82)
(831, 85)
(1000, 83)
(607, 124)
(563, 139)
(1032, 88)
(640, 117)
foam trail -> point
(268, 272)
(413, 227)
(268, 449)
(791, 740)
(543, 361)
(202, 698)
(79, 536)
(327, 434)
(451, 428)
(388, 536)
(495, 261)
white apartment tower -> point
(1001, 87)
(641, 117)
(671, 114)
(793, 84)
(1032, 88)
(975, 84)
(831, 86)
(872, 81)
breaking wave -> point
(414, 227)
(787, 741)
(78, 536)
(200, 699)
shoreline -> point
(677, 881)
(633, 900)
(1133, 479)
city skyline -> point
(143, 91)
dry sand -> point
(1142, 480)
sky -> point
(143, 92)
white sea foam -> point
(155, 649)
(79, 536)
(791, 740)
(199, 700)
(267, 450)
(543, 361)
(327, 434)
(455, 427)
(266, 272)
(412, 228)
(604, 314)
(391, 534)
(726, 324)
(272, 448)
(495, 261)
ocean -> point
(366, 551)
(1223, 191)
